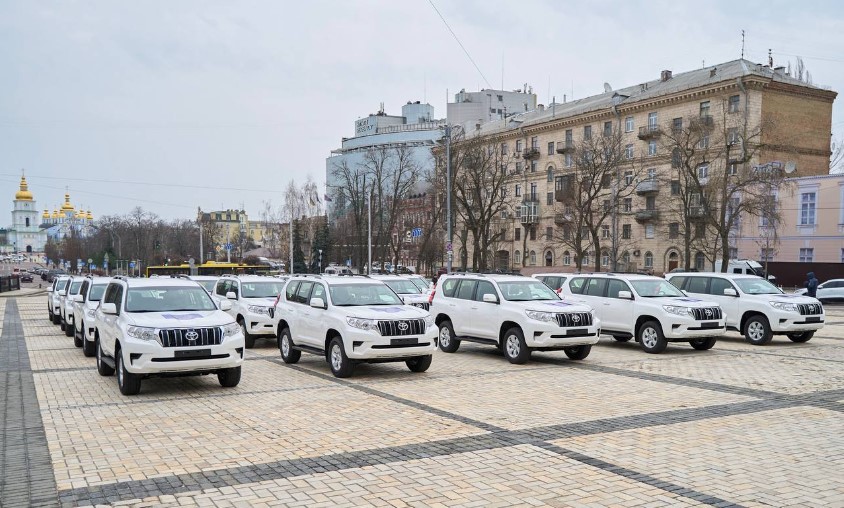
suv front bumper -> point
(786, 322)
(366, 345)
(541, 336)
(682, 329)
(259, 324)
(142, 357)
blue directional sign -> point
(228, 246)
(131, 264)
(416, 232)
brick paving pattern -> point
(735, 426)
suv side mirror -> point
(108, 308)
(490, 298)
(225, 305)
(62, 292)
(318, 303)
(78, 298)
(820, 286)
(231, 295)
(730, 292)
(625, 295)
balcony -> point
(702, 123)
(531, 153)
(562, 218)
(649, 132)
(529, 212)
(567, 147)
(650, 186)
(697, 213)
(564, 188)
(647, 215)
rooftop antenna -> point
(742, 44)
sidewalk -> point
(23, 292)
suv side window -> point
(697, 285)
(679, 281)
(234, 287)
(614, 286)
(738, 270)
(290, 291)
(595, 287)
(115, 295)
(717, 285)
(318, 292)
(84, 290)
(485, 288)
(467, 289)
(221, 287)
(303, 292)
(449, 286)
(576, 285)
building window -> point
(675, 187)
(587, 132)
(549, 233)
(704, 142)
(649, 259)
(704, 108)
(549, 198)
(568, 160)
(517, 234)
(733, 252)
(549, 258)
(650, 203)
(651, 147)
(766, 255)
(504, 215)
(674, 230)
(652, 121)
(700, 230)
(807, 255)
(503, 192)
(628, 178)
(700, 261)
(677, 125)
(503, 148)
(518, 167)
(518, 190)
(27, 222)
(605, 231)
(533, 166)
(566, 233)
(607, 129)
(533, 192)
(567, 258)
(550, 148)
(732, 135)
(534, 143)
(626, 231)
(732, 168)
(735, 100)
(628, 124)
(649, 230)
(517, 257)
(807, 208)
(703, 171)
(569, 137)
(605, 258)
(518, 145)
(550, 174)
(627, 205)
(628, 152)
(533, 258)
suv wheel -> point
(621, 338)
(57, 319)
(102, 367)
(651, 337)
(229, 378)
(62, 325)
(248, 338)
(448, 344)
(77, 336)
(419, 363)
(89, 347)
(757, 331)
(285, 345)
(515, 348)
(129, 384)
(340, 364)
(68, 329)
(704, 343)
(801, 337)
(49, 314)
(578, 352)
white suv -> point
(54, 302)
(755, 307)
(67, 304)
(84, 313)
(649, 309)
(514, 313)
(251, 298)
(153, 327)
(351, 319)
(409, 292)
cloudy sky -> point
(174, 105)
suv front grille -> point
(182, 337)
(707, 313)
(401, 327)
(421, 305)
(570, 319)
(809, 308)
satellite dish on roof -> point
(790, 167)
(607, 87)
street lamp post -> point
(450, 233)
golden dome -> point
(23, 194)
(89, 216)
(55, 214)
(46, 214)
(67, 207)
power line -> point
(79, 191)
(460, 43)
(128, 182)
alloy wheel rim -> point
(649, 337)
(513, 346)
(445, 336)
(285, 345)
(336, 357)
(120, 370)
(754, 330)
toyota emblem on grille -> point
(708, 312)
(575, 318)
(191, 336)
(403, 326)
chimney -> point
(665, 75)
(712, 72)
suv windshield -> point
(350, 295)
(74, 287)
(402, 286)
(172, 298)
(264, 289)
(652, 288)
(420, 283)
(526, 291)
(208, 284)
(95, 294)
(757, 287)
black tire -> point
(514, 347)
(419, 363)
(285, 343)
(68, 329)
(129, 384)
(703, 343)
(102, 368)
(50, 314)
(229, 378)
(57, 320)
(61, 324)
(757, 330)
(446, 340)
(248, 338)
(578, 352)
(651, 337)
(802, 336)
(621, 338)
(77, 336)
(340, 364)
(88, 346)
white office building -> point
(471, 109)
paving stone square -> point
(738, 425)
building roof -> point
(24, 193)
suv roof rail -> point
(356, 275)
(121, 277)
(179, 276)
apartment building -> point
(791, 125)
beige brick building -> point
(792, 120)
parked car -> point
(25, 277)
(829, 291)
(648, 309)
(206, 281)
(55, 294)
(409, 293)
(85, 311)
(251, 297)
(67, 305)
(554, 281)
(755, 307)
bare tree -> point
(836, 160)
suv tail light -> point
(277, 298)
(431, 298)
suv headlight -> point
(362, 323)
(230, 330)
(788, 307)
(91, 312)
(678, 310)
(541, 316)
(429, 322)
(143, 333)
(258, 309)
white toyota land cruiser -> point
(54, 303)
(349, 320)
(514, 313)
(164, 327)
(649, 309)
(409, 292)
(67, 304)
(85, 311)
(251, 298)
(755, 307)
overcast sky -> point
(166, 104)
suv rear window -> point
(449, 286)
(576, 285)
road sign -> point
(416, 232)
(131, 264)
(448, 247)
(228, 246)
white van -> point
(337, 270)
(746, 267)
